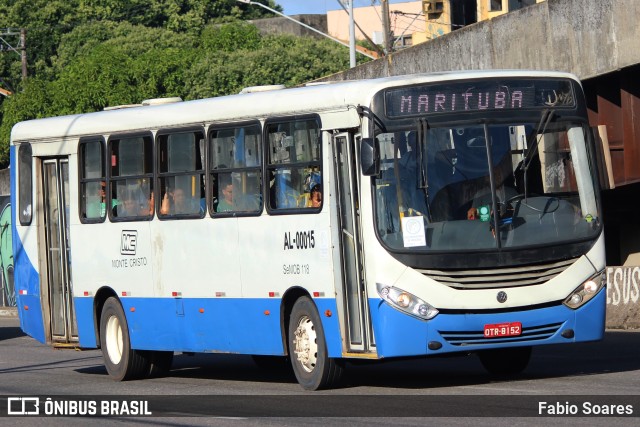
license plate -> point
(510, 329)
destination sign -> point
(478, 95)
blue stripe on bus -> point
(241, 326)
(27, 287)
(31, 316)
(234, 325)
(27, 293)
(87, 336)
(398, 334)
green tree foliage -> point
(284, 60)
(30, 104)
(175, 15)
(114, 52)
(132, 39)
(230, 38)
(47, 21)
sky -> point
(296, 7)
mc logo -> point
(128, 242)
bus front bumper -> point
(398, 334)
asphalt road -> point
(219, 389)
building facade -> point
(416, 22)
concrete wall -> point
(584, 37)
(623, 297)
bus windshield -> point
(484, 186)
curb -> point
(8, 312)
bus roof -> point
(314, 98)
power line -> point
(410, 25)
(405, 30)
(433, 21)
(375, 46)
(5, 46)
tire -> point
(505, 361)
(121, 361)
(313, 368)
(159, 363)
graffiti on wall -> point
(7, 292)
(435, 30)
(623, 285)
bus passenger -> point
(225, 201)
(176, 202)
(151, 206)
(96, 205)
(316, 196)
(180, 205)
(135, 204)
(129, 206)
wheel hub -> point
(114, 340)
(306, 344)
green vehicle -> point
(6, 257)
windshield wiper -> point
(421, 146)
(532, 144)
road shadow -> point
(618, 352)
(231, 368)
(10, 332)
(223, 367)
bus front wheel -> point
(505, 361)
(121, 361)
(313, 368)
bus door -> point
(58, 291)
(360, 338)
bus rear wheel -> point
(121, 361)
(313, 368)
(505, 361)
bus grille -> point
(491, 278)
(461, 338)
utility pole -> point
(364, 34)
(300, 23)
(23, 52)
(386, 27)
(352, 36)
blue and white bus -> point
(408, 216)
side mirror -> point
(369, 156)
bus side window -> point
(25, 183)
(131, 178)
(93, 194)
(294, 164)
(181, 174)
(236, 170)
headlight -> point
(406, 302)
(587, 290)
